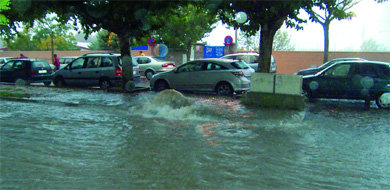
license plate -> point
(42, 71)
(170, 66)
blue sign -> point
(140, 48)
(214, 51)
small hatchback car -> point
(26, 71)
(151, 65)
(252, 60)
(223, 76)
(365, 80)
(96, 69)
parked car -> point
(223, 76)
(5, 59)
(66, 60)
(366, 80)
(312, 71)
(96, 69)
(151, 65)
(252, 60)
(26, 71)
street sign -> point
(151, 41)
(228, 40)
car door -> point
(6, 72)
(90, 74)
(144, 64)
(367, 80)
(20, 70)
(210, 75)
(73, 73)
(335, 81)
(181, 78)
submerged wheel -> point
(383, 101)
(161, 85)
(224, 89)
(104, 84)
(47, 83)
(149, 74)
(21, 82)
(59, 82)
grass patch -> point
(13, 92)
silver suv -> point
(96, 69)
(252, 60)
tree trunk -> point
(326, 41)
(267, 34)
(189, 47)
(127, 66)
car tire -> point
(149, 74)
(160, 86)
(47, 83)
(383, 100)
(224, 89)
(308, 94)
(59, 82)
(104, 84)
(21, 82)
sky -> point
(372, 21)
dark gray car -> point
(98, 69)
(312, 71)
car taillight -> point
(118, 71)
(167, 64)
(238, 73)
(32, 71)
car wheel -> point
(161, 85)
(104, 84)
(308, 94)
(59, 82)
(21, 82)
(149, 74)
(47, 83)
(224, 89)
(383, 101)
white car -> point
(252, 60)
(150, 65)
(223, 76)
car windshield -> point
(159, 59)
(239, 65)
(327, 64)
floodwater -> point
(83, 139)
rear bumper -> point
(41, 78)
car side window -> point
(143, 60)
(214, 66)
(106, 62)
(78, 63)
(368, 70)
(186, 68)
(19, 65)
(93, 62)
(341, 70)
(8, 65)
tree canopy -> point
(273, 15)
(325, 11)
(39, 36)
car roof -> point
(364, 61)
(243, 53)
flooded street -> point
(90, 139)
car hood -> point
(309, 71)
